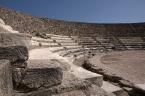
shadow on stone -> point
(14, 53)
(35, 79)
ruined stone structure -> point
(47, 57)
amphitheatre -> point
(47, 57)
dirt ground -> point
(129, 65)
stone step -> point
(53, 35)
(140, 87)
(112, 89)
(69, 44)
(73, 47)
(36, 43)
(56, 49)
(75, 53)
(41, 39)
(84, 74)
(65, 41)
(61, 38)
(70, 86)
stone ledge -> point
(94, 78)
(140, 87)
(113, 90)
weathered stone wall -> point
(6, 86)
(25, 23)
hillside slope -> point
(26, 23)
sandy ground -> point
(127, 64)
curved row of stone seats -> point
(61, 37)
(82, 39)
(73, 47)
(70, 51)
(131, 39)
(56, 49)
(133, 43)
(41, 39)
(69, 44)
(53, 35)
(105, 42)
(65, 41)
(79, 52)
(43, 44)
(65, 50)
(117, 44)
(92, 42)
(76, 37)
(34, 43)
(99, 42)
(88, 42)
(74, 55)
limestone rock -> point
(14, 53)
(40, 78)
(70, 86)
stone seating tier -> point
(56, 49)
(64, 41)
(42, 44)
(41, 39)
(53, 35)
(69, 44)
(61, 38)
(73, 47)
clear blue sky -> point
(106, 11)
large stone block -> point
(6, 86)
(70, 86)
(35, 79)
